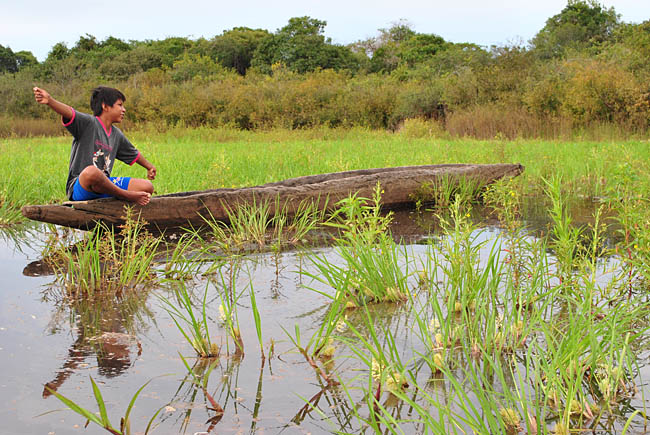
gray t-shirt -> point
(94, 145)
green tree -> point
(420, 48)
(195, 65)
(25, 59)
(171, 49)
(59, 51)
(115, 44)
(401, 45)
(581, 25)
(86, 43)
(7, 60)
(631, 48)
(142, 57)
(457, 57)
(235, 48)
(384, 49)
(302, 47)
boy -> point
(96, 145)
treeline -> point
(583, 68)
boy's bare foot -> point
(139, 197)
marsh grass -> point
(375, 268)
(442, 192)
(204, 158)
(103, 260)
(193, 324)
(184, 257)
(513, 341)
(628, 198)
(225, 282)
(262, 227)
(102, 420)
(503, 197)
(9, 214)
(564, 236)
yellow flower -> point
(438, 360)
(395, 382)
(341, 325)
(328, 349)
(375, 370)
(510, 417)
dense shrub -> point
(583, 69)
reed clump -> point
(260, 227)
(192, 323)
(105, 260)
(374, 267)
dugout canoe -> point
(402, 187)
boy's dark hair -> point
(106, 95)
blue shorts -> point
(81, 194)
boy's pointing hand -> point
(41, 95)
(151, 173)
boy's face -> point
(114, 113)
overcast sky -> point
(36, 25)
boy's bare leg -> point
(141, 184)
(94, 180)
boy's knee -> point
(91, 172)
(142, 185)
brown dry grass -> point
(14, 127)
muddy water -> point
(124, 345)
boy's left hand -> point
(151, 173)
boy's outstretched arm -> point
(44, 97)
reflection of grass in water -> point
(21, 237)
(106, 328)
(92, 315)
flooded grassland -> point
(469, 319)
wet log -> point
(402, 187)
